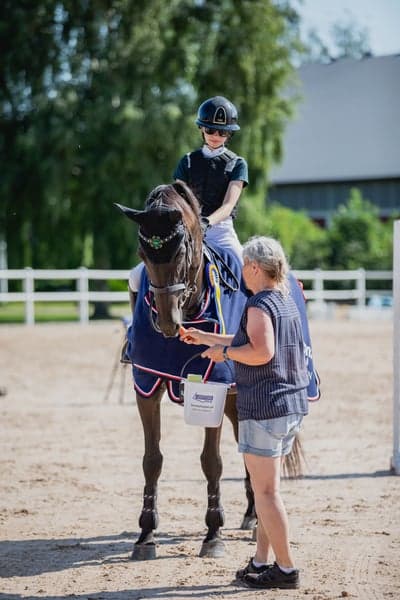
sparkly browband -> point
(157, 242)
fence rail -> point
(313, 281)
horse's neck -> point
(198, 283)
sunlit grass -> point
(14, 312)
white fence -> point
(313, 281)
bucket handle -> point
(197, 355)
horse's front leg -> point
(211, 463)
(149, 410)
(250, 517)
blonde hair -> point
(269, 255)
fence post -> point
(29, 289)
(3, 265)
(318, 287)
(361, 288)
(83, 288)
(395, 462)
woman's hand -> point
(214, 353)
(191, 336)
(202, 338)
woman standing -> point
(271, 378)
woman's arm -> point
(198, 337)
(260, 348)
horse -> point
(184, 282)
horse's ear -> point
(131, 213)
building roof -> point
(347, 125)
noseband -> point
(167, 289)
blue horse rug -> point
(156, 359)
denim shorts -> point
(270, 437)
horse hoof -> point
(248, 522)
(213, 549)
(143, 552)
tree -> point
(357, 238)
(98, 102)
(351, 41)
(305, 243)
(347, 40)
(242, 49)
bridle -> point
(185, 288)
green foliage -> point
(304, 242)
(348, 40)
(252, 216)
(357, 238)
(98, 101)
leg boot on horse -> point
(149, 410)
(211, 463)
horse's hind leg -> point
(149, 410)
(211, 463)
(249, 520)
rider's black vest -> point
(209, 178)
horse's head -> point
(170, 244)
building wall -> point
(320, 200)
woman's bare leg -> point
(273, 527)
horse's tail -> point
(294, 462)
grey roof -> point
(347, 126)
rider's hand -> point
(205, 224)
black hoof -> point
(143, 552)
(213, 549)
(248, 522)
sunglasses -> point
(212, 131)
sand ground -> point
(71, 477)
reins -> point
(215, 258)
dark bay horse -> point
(177, 288)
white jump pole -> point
(395, 463)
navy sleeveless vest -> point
(209, 178)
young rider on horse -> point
(215, 174)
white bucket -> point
(204, 403)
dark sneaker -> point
(250, 568)
(273, 578)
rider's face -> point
(213, 140)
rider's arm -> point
(231, 198)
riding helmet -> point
(218, 112)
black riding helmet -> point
(218, 112)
